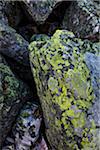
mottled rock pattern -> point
(13, 94)
(27, 127)
(3, 17)
(39, 10)
(65, 85)
(25, 133)
(83, 18)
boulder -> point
(13, 45)
(15, 48)
(13, 94)
(66, 72)
(82, 18)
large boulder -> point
(66, 72)
(82, 18)
(13, 94)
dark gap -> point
(54, 20)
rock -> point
(15, 48)
(3, 17)
(66, 73)
(39, 10)
(82, 18)
(18, 20)
(26, 130)
(42, 145)
(93, 63)
(13, 12)
(13, 94)
(13, 45)
(27, 127)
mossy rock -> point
(65, 80)
(13, 94)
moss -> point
(65, 88)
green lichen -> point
(65, 90)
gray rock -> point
(2, 12)
(13, 94)
(26, 129)
(82, 17)
(13, 45)
(93, 63)
(15, 48)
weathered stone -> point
(39, 10)
(13, 94)
(13, 12)
(26, 129)
(13, 45)
(15, 48)
(2, 12)
(68, 87)
(82, 18)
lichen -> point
(65, 89)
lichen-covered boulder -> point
(82, 17)
(39, 10)
(66, 72)
(13, 94)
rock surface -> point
(26, 130)
(13, 94)
(68, 89)
(15, 48)
(66, 72)
(13, 45)
(39, 10)
(82, 18)
(3, 17)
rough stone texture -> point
(39, 10)
(82, 17)
(13, 45)
(25, 132)
(68, 90)
(15, 48)
(13, 94)
(2, 12)
(13, 12)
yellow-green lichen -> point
(64, 86)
